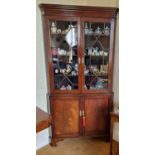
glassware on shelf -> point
(56, 70)
(86, 72)
(53, 27)
(105, 53)
(86, 30)
(61, 51)
(104, 69)
(106, 31)
(62, 87)
(93, 69)
(54, 51)
(101, 53)
(58, 31)
(67, 53)
(73, 73)
(69, 87)
(90, 50)
(63, 32)
(98, 30)
(90, 31)
(99, 84)
(55, 59)
(76, 67)
(62, 70)
(95, 51)
(68, 68)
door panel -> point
(96, 113)
(66, 116)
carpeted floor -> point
(77, 146)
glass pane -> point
(96, 55)
(64, 54)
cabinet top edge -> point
(76, 7)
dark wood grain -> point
(71, 10)
(66, 116)
(96, 112)
(43, 120)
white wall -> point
(41, 86)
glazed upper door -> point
(97, 54)
(63, 54)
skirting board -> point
(42, 138)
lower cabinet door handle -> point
(84, 121)
(80, 113)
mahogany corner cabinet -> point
(79, 47)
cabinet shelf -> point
(58, 34)
(94, 34)
(96, 75)
(66, 75)
(94, 55)
(64, 55)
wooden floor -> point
(77, 146)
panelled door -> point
(96, 115)
(66, 116)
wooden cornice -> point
(72, 10)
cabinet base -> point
(55, 140)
